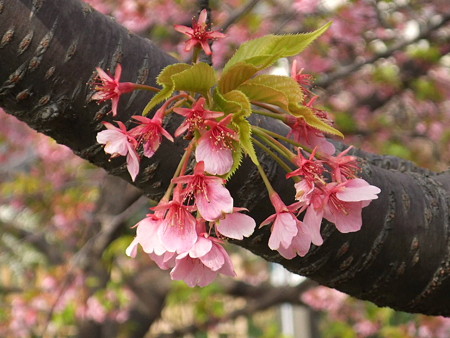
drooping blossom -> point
(311, 169)
(284, 222)
(177, 231)
(341, 204)
(195, 117)
(150, 132)
(304, 80)
(343, 166)
(110, 88)
(212, 199)
(300, 243)
(311, 137)
(235, 225)
(201, 265)
(215, 147)
(119, 142)
(199, 33)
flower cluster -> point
(185, 232)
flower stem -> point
(269, 114)
(273, 142)
(181, 168)
(273, 155)
(266, 181)
(145, 87)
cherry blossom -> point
(311, 169)
(211, 197)
(304, 80)
(110, 88)
(201, 265)
(341, 204)
(284, 226)
(150, 132)
(343, 166)
(311, 137)
(215, 147)
(119, 142)
(177, 231)
(195, 117)
(199, 33)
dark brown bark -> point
(48, 51)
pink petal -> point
(165, 261)
(201, 247)
(103, 75)
(312, 222)
(236, 225)
(192, 272)
(131, 250)
(227, 267)
(184, 29)
(118, 73)
(219, 201)
(350, 221)
(133, 163)
(146, 234)
(202, 17)
(358, 190)
(115, 141)
(217, 161)
(214, 258)
(178, 237)
(283, 230)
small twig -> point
(271, 296)
(238, 14)
(347, 70)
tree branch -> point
(400, 258)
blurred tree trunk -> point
(48, 52)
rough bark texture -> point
(48, 52)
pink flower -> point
(304, 80)
(150, 132)
(215, 147)
(303, 133)
(341, 204)
(202, 263)
(211, 197)
(110, 88)
(199, 33)
(195, 117)
(147, 234)
(300, 243)
(235, 225)
(311, 169)
(343, 167)
(284, 226)
(119, 142)
(178, 229)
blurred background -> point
(382, 72)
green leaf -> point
(236, 75)
(234, 102)
(245, 138)
(165, 80)
(197, 78)
(286, 85)
(279, 89)
(237, 160)
(264, 51)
